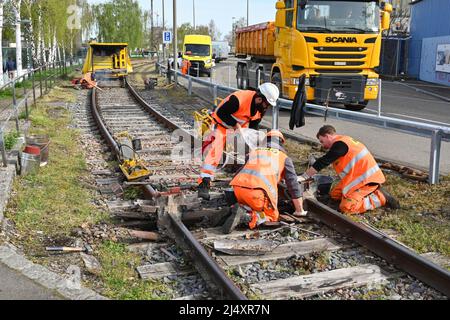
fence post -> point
(433, 175)
(189, 85)
(379, 97)
(40, 80)
(26, 99)
(15, 105)
(214, 94)
(3, 148)
(34, 89)
(275, 113)
(46, 83)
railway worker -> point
(359, 189)
(256, 185)
(241, 109)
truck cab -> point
(197, 49)
(335, 43)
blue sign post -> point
(167, 37)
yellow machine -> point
(335, 43)
(203, 122)
(108, 60)
(132, 167)
(197, 49)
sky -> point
(221, 11)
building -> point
(429, 47)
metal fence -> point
(42, 79)
(437, 134)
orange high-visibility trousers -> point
(359, 201)
(257, 200)
(214, 153)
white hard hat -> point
(270, 92)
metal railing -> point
(436, 133)
(46, 75)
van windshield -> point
(339, 16)
(197, 50)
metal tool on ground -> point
(68, 249)
(179, 189)
(298, 228)
(132, 167)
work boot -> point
(203, 188)
(238, 215)
(391, 202)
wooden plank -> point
(318, 283)
(161, 270)
(253, 247)
(285, 251)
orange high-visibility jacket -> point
(243, 115)
(264, 169)
(357, 168)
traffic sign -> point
(167, 37)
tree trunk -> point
(1, 40)
(18, 37)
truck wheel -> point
(239, 76)
(244, 78)
(276, 80)
(357, 107)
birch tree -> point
(2, 2)
(16, 7)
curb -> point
(65, 287)
(424, 91)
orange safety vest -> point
(243, 114)
(357, 168)
(264, 169)
(185, 66)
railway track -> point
(325, 255)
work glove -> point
(303, 177)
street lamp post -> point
(232, 31)
(193, 12)
(175, 48)
(247, 13)
(163, 27)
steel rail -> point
(388, 249)
(204, 263)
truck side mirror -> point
(280, 17)
(385, 20)
(303, 3)
(387, 7)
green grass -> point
(54, 200)
(120, 278)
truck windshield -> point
(197, 50)
(339, 17)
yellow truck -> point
(198, 50)
(335, 43)
(108, 60)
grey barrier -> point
(436, 133)
(51, 71)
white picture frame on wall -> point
(443, 58)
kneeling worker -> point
(256, 185)
(241, 109)
(359, 189)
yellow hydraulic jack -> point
(132, 167)
(203, 122)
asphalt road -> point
(398, 101)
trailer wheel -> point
(239, 76)
(357, 107)
(276, 80)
